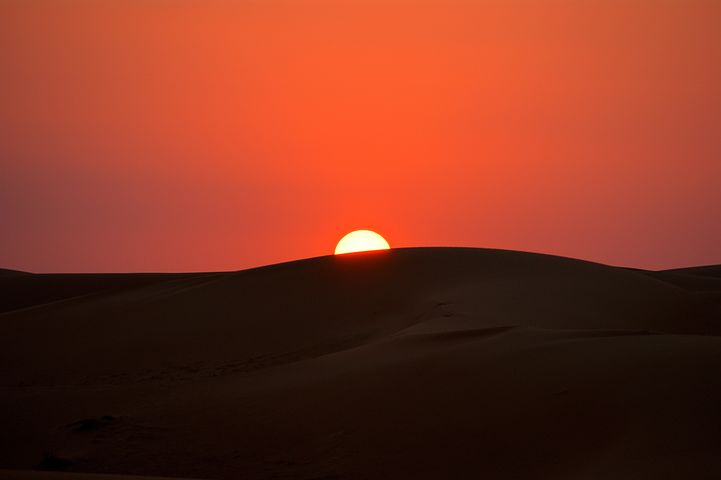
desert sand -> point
(409, 363)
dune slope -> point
(413, 363)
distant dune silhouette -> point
(411, 363)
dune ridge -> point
(410, 363)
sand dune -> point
(39, 475)
(413, 363)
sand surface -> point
(413, 363)
(43, 475)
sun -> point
(361, 241)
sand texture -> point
(415, 363)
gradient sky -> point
(215, 135)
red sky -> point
(205, 135)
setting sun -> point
(361, 241)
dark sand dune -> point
(414, 363)
(9, 272)
(22, 289)
(706, 271)
(44, 475)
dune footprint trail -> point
(409, 363)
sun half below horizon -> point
(361, 241)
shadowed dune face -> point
(23, 290)
(25, 475)
(411, 363)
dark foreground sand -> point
(414, 363)
(45, 475)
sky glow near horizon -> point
(214, 135)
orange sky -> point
(204, 135)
